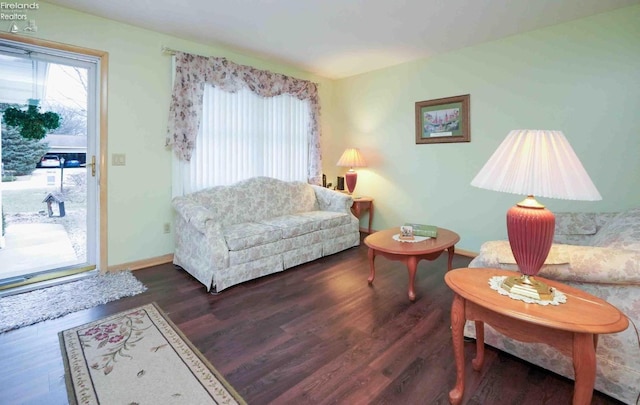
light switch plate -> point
(118, 159)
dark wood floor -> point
(313, 334)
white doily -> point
(415, 239)
(495, 283)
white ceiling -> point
(341, 38)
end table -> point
(362, 205)
(572, 327)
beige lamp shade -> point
(351, 158)
(537, 162)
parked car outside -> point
(49, 160)
(72, 163)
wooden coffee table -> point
(382, 243)
(572, 327)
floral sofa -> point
(600, 254)
(226, 235)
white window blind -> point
(244, 135)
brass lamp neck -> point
(530, 202)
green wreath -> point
(32, 123)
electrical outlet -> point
(167, 227)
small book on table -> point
(430, 231)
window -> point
(244, 135)
(229, 122)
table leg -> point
(457, 329)
(370, 216)
(412, 265)
(584, 366)
(451, 252)
(479, 360)
(372, 270)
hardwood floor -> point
(313, 334)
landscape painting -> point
(443, 120)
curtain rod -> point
(168, 51)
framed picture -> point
(443, 120)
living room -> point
(571, 76)
(577, 76)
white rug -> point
(139, 357)
(53, 302)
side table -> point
(362, 205)
(382, 243)
(572, 327)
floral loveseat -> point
(226, 235)
(600, 254)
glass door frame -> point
(99, 123)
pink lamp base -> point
(530, 227)
(351, 178)
(530, 233)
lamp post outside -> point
(61, 173)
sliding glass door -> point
(49, 190)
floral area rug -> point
(53, 302)
(139, 357)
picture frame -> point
(406, 232)
(443, 120)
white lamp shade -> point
(539, 163)
(351, 158)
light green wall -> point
(139, 194)
(580, 77)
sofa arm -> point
(592, 264)
(198, 226)
(217, 244)
(329, 200)
(193, 213)
(587, 264)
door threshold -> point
(30, 285)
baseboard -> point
(155, 261)
(142, 264)
(466, 253)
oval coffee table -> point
(572, 327)
(410, 253)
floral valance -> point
(194, 71)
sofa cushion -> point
(327, 219)
(621, 232)
(298, 197)
(276, 248)
(254, 253)
(293, 225)
(498, 252)
(249, 234)
(255, 199)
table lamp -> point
(541, 163)
(351, 158)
